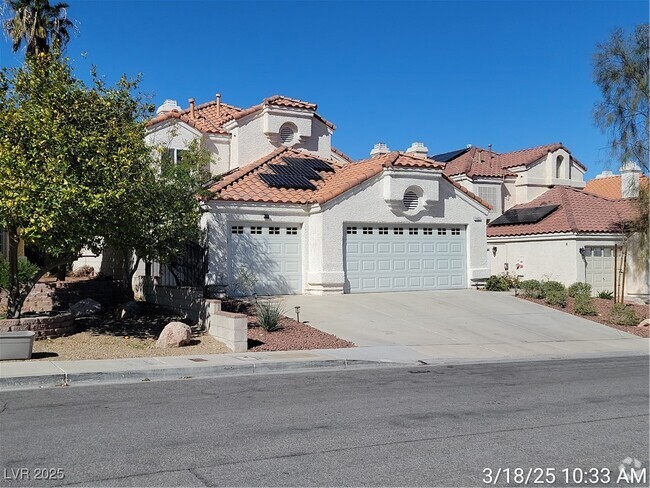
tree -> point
(621, 73)
(39, 25)
(69, 154)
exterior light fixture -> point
(582, 251)
(267, 217)
(297, 309)
(494, 250)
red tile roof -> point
(610, 186)
(208, 119)
(468, 162)
(578, 212)
(245, 184)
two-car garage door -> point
(382, 258)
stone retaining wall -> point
(46, 326)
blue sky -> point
(511, 74)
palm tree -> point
(39, 25)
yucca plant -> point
(269, 314)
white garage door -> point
(599, 271)
(401, 258)
(264, 259)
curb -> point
(64, 379)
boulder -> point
(175, 334)
(128, 310)
(644, 323)
(85, 307)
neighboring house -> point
(567, 235)
(624, 185)
(508, 179)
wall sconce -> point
(494, 250)
(267, 217)
(582, 251)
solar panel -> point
(448, 156)
(313, 163)
(524, 215)
(305, 171)
(288, 181)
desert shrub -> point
(579, 288)
(497, 283)
(556, 297)
(26, 270)
(552, 286)
(621, 314)
(607, 295)
(269, 314)
(584, 305)
(84, 271)
(531, 288)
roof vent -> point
(418, 149)
(380, 148)
(168, 106)
(287, 134)
(410, 200)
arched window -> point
(559, 161)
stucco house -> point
(291, 214)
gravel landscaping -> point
(603, 308)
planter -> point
(16, 345)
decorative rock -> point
(128, 310)
(644, 323)
(85, 307)
(175, 334)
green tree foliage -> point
(69, 155)
(37, 24)
(621, 73)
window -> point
(367, 230)
(351, 230)
(559, 161)
(292, 231)
(410, 200)
(491, 195)
(413, 231)
(274, 231)
(173, 155)
(442, 231)
(398, 231)
(287, 134)
(427, 231)
(455, 231)
(383, 231)
(256, 230)
(237, 229)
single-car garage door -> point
(264, 259)
(599, 268)
(401, 258)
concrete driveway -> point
(465, 324)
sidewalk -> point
(44, 374)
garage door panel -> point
(599, 268)
(375, 260)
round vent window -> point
(411, 200)
(287, 134)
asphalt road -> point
(434, 426)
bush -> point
(25, 271)
(607, 295)
(580, 289)
(621, 314)
(531, 289)
(556, 297)
(269, 315)
(497, 283)
(552, 286)
(584, 305)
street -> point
(403, 426)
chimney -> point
(168, 106)
(418, 149)
(630, 176)
(191, 100)
(380, 148)
(218, 104)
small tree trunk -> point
(13, 307)
(127, 274)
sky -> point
(514, 74)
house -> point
(291, 214)
(508, 179)
(624, 185)
(569, 235)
